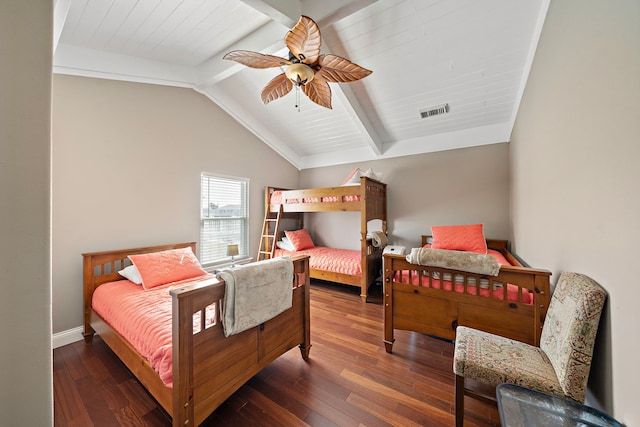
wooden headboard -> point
(103, 267)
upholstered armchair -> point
(559, 366)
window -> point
(223, 217)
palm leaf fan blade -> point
(278, 87)
(304, 40)
(318, 91)
(334, 68)
(255, 59)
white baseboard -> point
(67, 337)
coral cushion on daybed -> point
(159, 268)
(459, 238)
(299, 239)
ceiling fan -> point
(306, 68)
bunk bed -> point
(369, 197)
(435, 300)
(206, 365)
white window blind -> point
(223, 217)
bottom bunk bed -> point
(344, 266)
(201, 366)
(434, 300)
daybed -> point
(207, 367)
(369, 198)
(512, 304)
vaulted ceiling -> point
(473, 56)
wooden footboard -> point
(419, 305)
(207, 366)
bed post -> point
(88, 331)
(373, 205)
(301, 268)
(541, 300)
(387, 269)
(183, 403)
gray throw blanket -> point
(255, 293)
(464, 261)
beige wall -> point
(575, 175)
(127, 160)
(26, 396)
(463, 186)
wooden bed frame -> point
(207, 366)
(438, 312)
(372, 205)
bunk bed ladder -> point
(269, 233)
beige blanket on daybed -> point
(464, 261)
(255, 293)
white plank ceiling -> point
(473, 55)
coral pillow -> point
(353, 178)
(159, 268)
(299, 239)
(459, 238)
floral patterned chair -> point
(560, 365)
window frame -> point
(243, 240)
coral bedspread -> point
(143, 318)
(496, 292)
(345, 261)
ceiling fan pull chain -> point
(298, 98)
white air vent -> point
(434, 111)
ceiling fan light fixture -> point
(306, 69)
(299, 74)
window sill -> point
(217, 267)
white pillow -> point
(132, 274)
(369, 173)
(287, 246)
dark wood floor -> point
(349, 380)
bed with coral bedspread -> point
(434, 300)
(176, 345)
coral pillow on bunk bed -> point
(299, 239)
(159, 268)
(459, 238)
